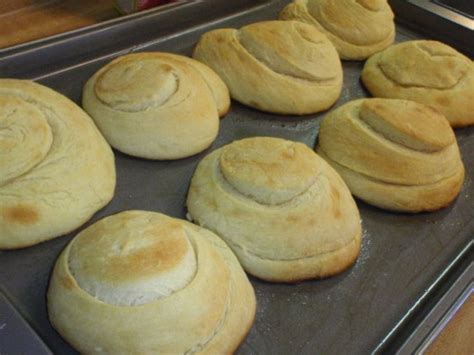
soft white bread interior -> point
(357, 28)
(157, 105)
(284, 67)
(428, 72)
(394, 154)
(56, 169)
(284, 211)
(144, 283)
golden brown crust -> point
(278, 233)
(157, 105)
(209, 313)
(126, 261)
(290, 67)
(57, 170)
(393, 168)
(427, 72)
(357, 28)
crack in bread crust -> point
(378, 181)
(289, 260)
(380, 134)
(328, 157)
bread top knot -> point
(360, 22)
(395, 141)
(144, 81)
(408, 123)
(292, 49)
(133, 258)
(25, 137)
(427, 64)
(269, 170)
(131, 85)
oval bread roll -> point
(56, 170)
(357, 28)
(394, 154)
(284, 211)
(427, 72)
(157, 105)
(144, 283)
(284, 67)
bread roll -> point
(284, 211)
(56, 170)
(157, 105)
(427, 72)
(394, 154)
(284, 67)
(357, 28)
(144, 283)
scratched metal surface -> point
(401, 254)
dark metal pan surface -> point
(402, 255)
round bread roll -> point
(157, 105)
(394, 154)
(357, 28)
(56, 170)
(283, 210)
(144, 283)
(284, 67)
(427, 72)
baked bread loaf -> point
(284, 67)
(56, 170)
(427, 72)
(283, 210)
(394, 154)
(143, 283)
(357, 28)
(157, 105)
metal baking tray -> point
(450, 21)
(404, 257)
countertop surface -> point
(26, 20)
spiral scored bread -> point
(284, 67)
(284, 211)
(144, 283)
(357, 28)
(56, 168)
(394, 154)
(157, 105)
(427, 72)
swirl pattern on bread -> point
(56, 168)
(284, 67)
(394, 154)
(142, 282)
(284, 211)
(427, 72)
(357, 28)
(157, 105)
